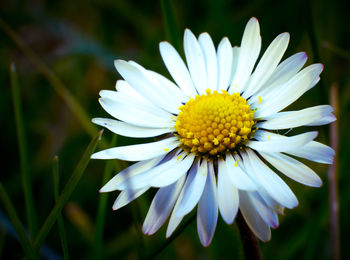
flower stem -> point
(249, 240)
(333, 179)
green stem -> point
(333, 178)
(249, 240)
(22, 145)
(61, 229)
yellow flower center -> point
(214, 123)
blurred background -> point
(64, 52)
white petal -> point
(169, 95)
(125, 129)
(268, 215)
(249, 52)
(193, 188)
(267, 64)
(143, 179)
(173, 173)
(235, 58)
(144, 85)
(237, 176)
(273, 204)
(138, 152)
(228, 199)
(161, 206)
(126, 196)
(225, 59)
(315, 151)
(287, 69)
(269, 180)
(253, 219)
(207, 214)
(174, 221)
(302, 117)
(209, 53)
(293, 169)
(195, 61)
(135, 113)
(324, 120)
(177, 68)
(285, 144)
(170, 87)
(129, 100)
(287, 93)
(131, 94)
(126, 174)
(283, 73)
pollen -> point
(214, 123)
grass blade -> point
(22, 145)
(60, 224)
(12, 214)
(101, 212)
(336, 50)
(67, 191)
(171, 27)
(315, 49)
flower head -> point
(215, 129)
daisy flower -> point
(216, 145)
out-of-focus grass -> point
(22, 145)
(66, 192)
(16, 222)
(78, 43)
(61, 229)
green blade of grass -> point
(12, 214)
(57, 84)
(67, 191)
(315, 48)
(171, 27)
(336, 50)
(22, 145)
(60, 224)
(101, 212)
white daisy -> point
(215, 132)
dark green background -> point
(79, 40)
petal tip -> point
(253, 20)
(118, 62)
(206, 242)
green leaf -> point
(171, 27)
(67, 191)
(12, 214)
(60, 223)
(22, 145)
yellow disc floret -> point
(214, 123)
